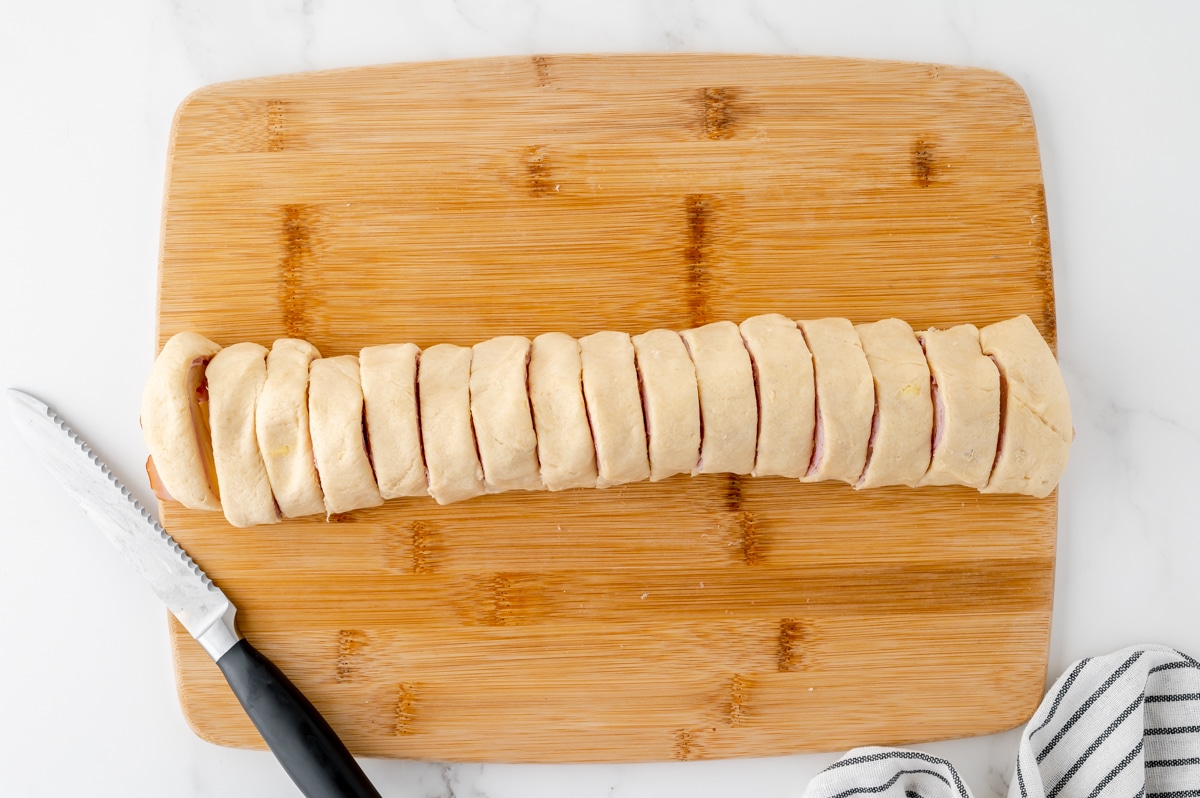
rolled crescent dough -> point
(728, 406)
(871, 405)
(281, 424)
(335, 412)
(1036, 430)
(444, 386)
(175, 421)
(614, 408)
(670, 401)
(899, 449)
(501, 416)
(845, 400)
(787, 399)
(564, 439)
(235, 379)
(389, 385)
(966, 399)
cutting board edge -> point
(284, 77)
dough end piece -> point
(174, 418)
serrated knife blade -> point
(302, 741)
(189, 594)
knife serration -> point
(175, 578)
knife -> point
(300, 738)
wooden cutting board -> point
(695, 618)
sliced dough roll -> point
(501, 416)
(670, 402)
(845, 400)
(966, 399)
(1036, 430)
(175, 422)
(335, 413)
(281, 426)
(444, 388)
(728, 406)
(787, 399)
(564, 439)
(614, 408)
(389, 386)
(898, 451)
(235, 379)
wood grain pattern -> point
(693, 618)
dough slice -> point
(236, 377)
(335, 413)
(899, 449)
(614, 408)
(389, 386)
(501, 417)
(670, 401)
(564, 439)
(787, 398)
(444, 387)
(728, 406)
(175, 422)
(845, 400)
(1035, 431)
(281, 426)
(966, 400)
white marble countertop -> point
(87, 91)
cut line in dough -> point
(1036, 431)
(335, 411)
(728, 402)
(670, 403)
(783, 376)
(282, 429)
(614, 408)
(566, 454)
(236, 377)
(965, 387)
(845, 400)
(898, 451)
(389, 385)
(451, 457)
(501, 416)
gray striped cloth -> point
(1127, 724)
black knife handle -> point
(300, 738)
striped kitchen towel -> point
(1126, 724)
(888, 772)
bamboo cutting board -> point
(694, 618)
